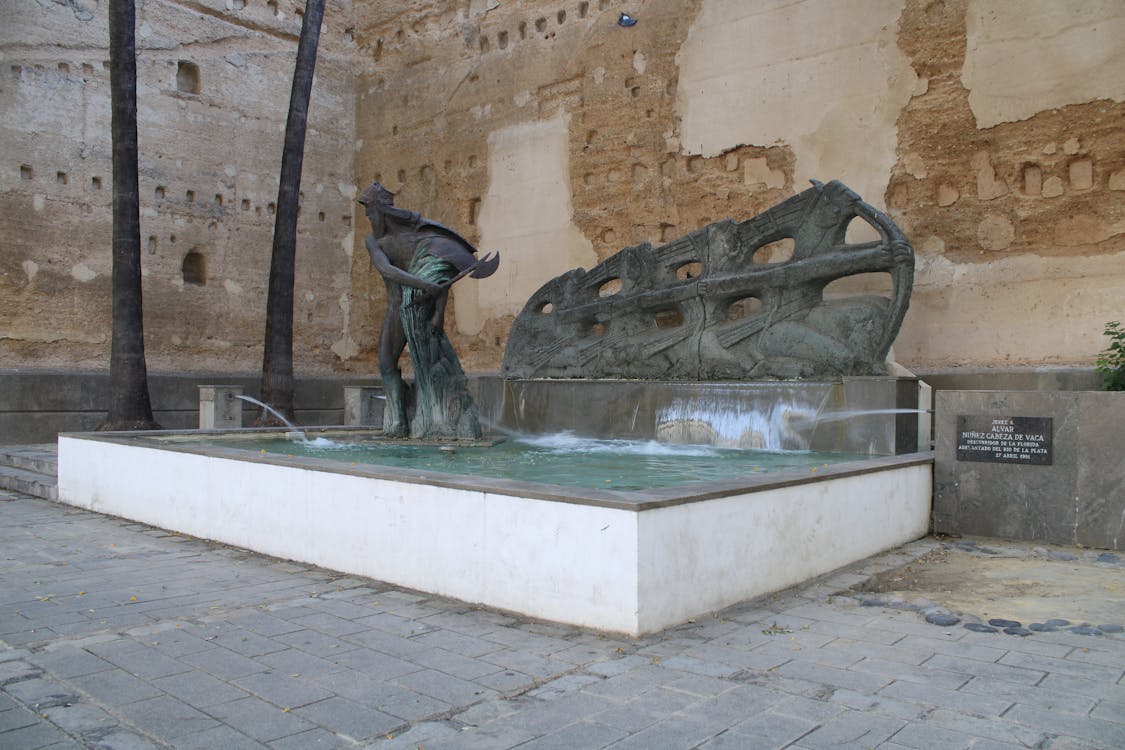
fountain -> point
(622, 555)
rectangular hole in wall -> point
(60, 178)
(96, 183)
(218, 199)
(189, 196)
(245, 204)
(187, 77)
(26, 172)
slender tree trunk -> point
(277, 359)
(129, 404)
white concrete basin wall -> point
(602, 560)
(703, 556)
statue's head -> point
(376, 195)
(379, 205)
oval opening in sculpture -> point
(777, 251)
(740, 308)
(672, 318)
(689, 270)
(609, 287)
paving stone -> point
(1067, 667)
(699, 666)
(957, 700)
(676, 732)
(146, 663)
(864, 682)
(984, 669)
(959, 648)
(224, 663)
(347, 718)
(318, 738)
(38, 735)
(768, 731)
(326, 623)
(852, 729)
(70, 662)
(410, 706)
(617, 666)
(248, 643)
(1105, 733)
(16, 718)
(624, 687)
(568, 683)
(79, 718)
(925, 674)
(165, 716)
(418, 736)
(631, 717)
(457, 643)
(536, 665)
(39, 693)
(445, 687)
(1081, 686)
(294, 661)
(732, 707)
(286, 690)
(584, 734)
(879, 704)
(260, 720)
(199, 689)
(377, 662)
(219, 737)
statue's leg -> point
(392, 341)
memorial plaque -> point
(1004, 440)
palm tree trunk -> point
(129, 404)
(277, 358)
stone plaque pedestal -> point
(219, 407)
(1031, 465)
(363, 406)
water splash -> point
(567, 442)
(293, 429)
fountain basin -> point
(631, 562)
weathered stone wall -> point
(552, 134)
(213, 89)
(546, 131)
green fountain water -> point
(560, 458)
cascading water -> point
(722, 415)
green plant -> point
(1111, 362)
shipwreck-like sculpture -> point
(708, 306)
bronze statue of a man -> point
(419, 260)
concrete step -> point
(29, 482)
(30, 469)
(43, 459)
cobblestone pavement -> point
(117, 635)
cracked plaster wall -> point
(716, 108)
(967, 122)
